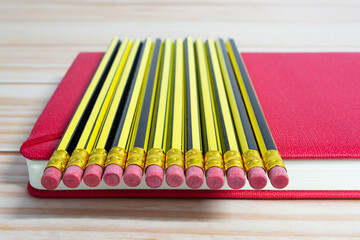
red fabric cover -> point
(309, 100)
(54, 119)
(245, 194)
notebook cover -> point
(309, 100)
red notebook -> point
(311, 103)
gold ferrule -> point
(97, 157)
(117, 155)
(252, 159)
(194, 157)
(136, 156)
(213, 159)
(271, 159)
(174, 157)
(155, 156)
(233, 159)
(59, 160)
(79, 158)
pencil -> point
(115, 160)
(59, 159)
(157, 143)
(125, 133)
(80, 156)
(154, 172)
(253, 163)
(214, 165)
(273, 162)
(95, 165)
(174, 163)
(194, 160)
(232, 158)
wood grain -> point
(38, 41)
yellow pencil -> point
(214, 165)
(174, 163)
(59, 159)
(155, 160)
(194, 160)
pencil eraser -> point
(51, 178)
(72, 176)
(113, 174)
(194, 177)
(215, 178)
(92, 175)
(278, 177)
(174, 176)
(235, 177)
(154, 176)
(257, 178)
(133, 175)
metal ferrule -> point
(117, 155)
(252, 159)
(155, 156)
(271, 159)
(136, 156)
(194, 157)
(213, 159)
(233, 159)
(59, 160)
(79, 158)
(97, 157)
(174, 157)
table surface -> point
(38, 41)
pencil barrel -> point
(117, 155)
(155, 156)
(97, 157)
(174, 157)
(59, 159)
(252, 159)
(136, 156)
(194, 157)
(272, 158)
(79, 158)
(213, 159)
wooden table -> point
(39, 40)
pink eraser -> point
(215, 178)
(72, 176)
(113, 174)
(278, 177)
(174, 176)
(257, 178)
(132, 176)
(92, 175)
(51, 178)
(235, 177)
(154, 176)
(194, 177)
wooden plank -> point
(20, 106)
(22, 215)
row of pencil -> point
(184, 108)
